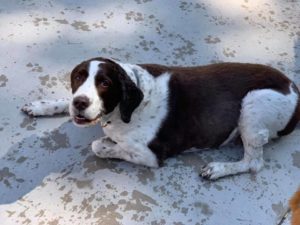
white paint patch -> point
(264, 113)
(88, 89)
(46, 107)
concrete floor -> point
(48, 174)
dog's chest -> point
(143, 126)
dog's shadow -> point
(67, 150)
(28, 162)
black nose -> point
(81, 103)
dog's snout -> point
(81, 103)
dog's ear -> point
(131, 95)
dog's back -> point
(205, 102)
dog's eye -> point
(78, 77)
(105, 83)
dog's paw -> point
(45, 107)
(101, 150)
(213, 171)
(107, 141)
(32, 109)
(97, 146)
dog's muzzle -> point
(82, 120)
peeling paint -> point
(81, 184)
(64, 79)
(136, 16)
(205, 209)
(48, 81)
(80, 25)
(62, 21)
(107, 215)
(38, 21)
(35, 67)
(67, 198)
(142, 1)
(54, 140)
(29, 123)
(21, 159)
(139, 202)
(212, 40)
(3, 80)
(145, 175)
(228, 52)
(5, 174)
(296, 159)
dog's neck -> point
(142, 79)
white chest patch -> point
(147, 117)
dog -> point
(151, 112)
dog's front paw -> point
(213, 171)
(32, 109)
(45, 107)
(96, 146)
(107, 141)
(101, 150)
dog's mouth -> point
(81, 120)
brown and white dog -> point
(151, 112)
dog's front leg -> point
(46, 107)
(131, 152)
(104, 148)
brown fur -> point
(295, 207)
(201, 97)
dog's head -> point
(98, 86)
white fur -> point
(263, 114)
(88, 89)
(46, 107)
(132, 138)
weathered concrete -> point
(48, 174)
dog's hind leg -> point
(264, 113)
(46, 107)
(252, 161)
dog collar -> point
(104, 122)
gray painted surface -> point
(48, 174)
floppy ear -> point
(131, 96)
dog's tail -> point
(295, 208)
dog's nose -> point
(81, 102)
